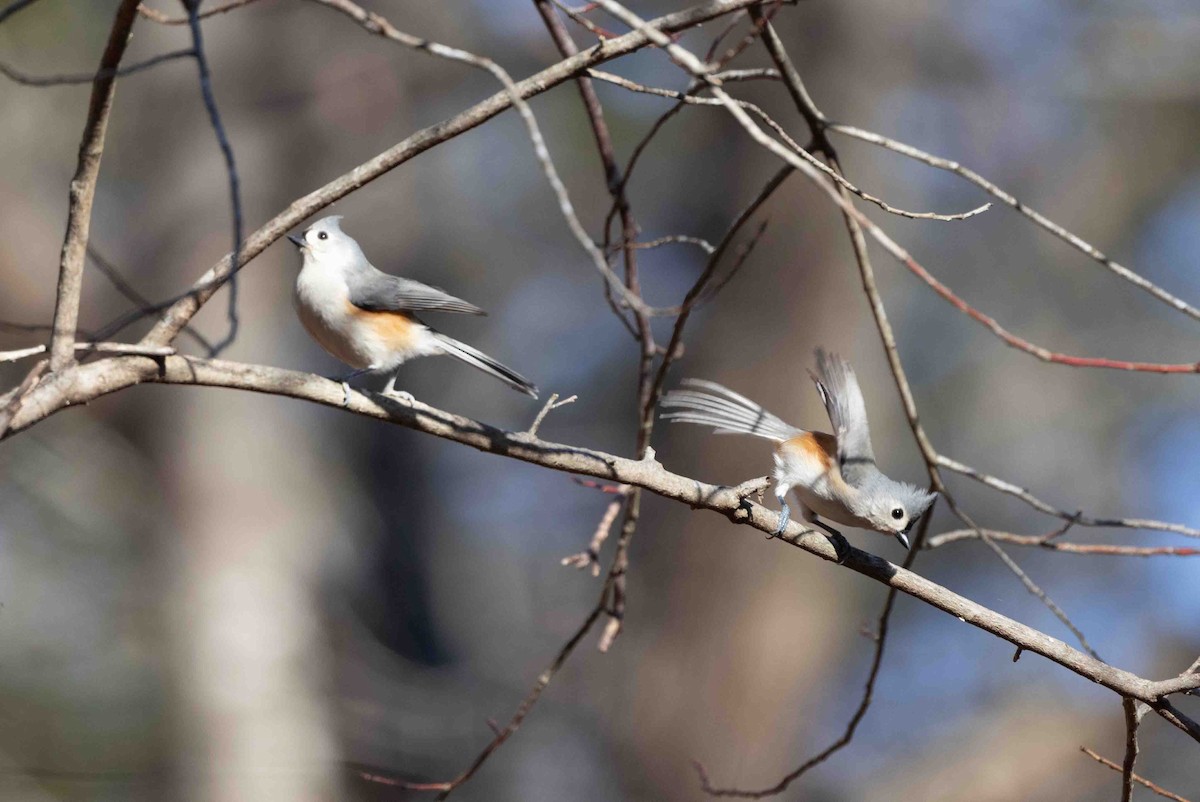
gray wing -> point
(381, 292)
(843, 401)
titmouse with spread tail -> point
(367, 318)
(834, 476)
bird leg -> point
(835, 539)
(785, 512)
(401, 395)
(345, 382)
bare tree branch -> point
(1141, 780)
(691, 99)
(163, 19)
(13, 8)
(1075, 518)
(106, 348)
(83, 191)
(144, 305)
(13, 74)
(1133, 717)
(1045, 223)
(235, 195)
(86, 382)
(1040, 541)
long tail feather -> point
(481, 361)
(710, 404)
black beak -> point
(292, 238)
(903, 538)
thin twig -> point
(751, 36)
(552, 403)
(13, 74)
(864, 704)
(1044, 222)
(689, 62)
(739, 261)
(1040, 541)
(102, 347)
(235, 195)
(83, 191)
(22, 353)
(13, 8)
(1076, 517)
(673, 239)
(701, 284)
(757, 111)
(591, 557)
(163, 19)
(578, 18)
(144, 305)
(1141, 780)
(1033, 349)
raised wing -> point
(381, 292)
(843, 401)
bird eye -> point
(322, 235)
(897, 513)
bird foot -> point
(840, 546)
(403, 396)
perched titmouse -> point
(366, 318)
(834, 476)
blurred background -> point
(212, 595)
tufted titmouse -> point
(834, 476)
(366, 318)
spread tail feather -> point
(709, 404)
(481, 361)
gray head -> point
(326, 245)
(891, 507)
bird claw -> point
(345, 395)
(403, 396)
(840, 547)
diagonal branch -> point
(692, 100)
(14, 7)
(24, 78)
(1039, 219)
(1040, 541)
(1076, 518)
(83, 191)
(163, 19)
(1140, 780)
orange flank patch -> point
(818, 447)
(396, 329)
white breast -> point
(322, 303)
